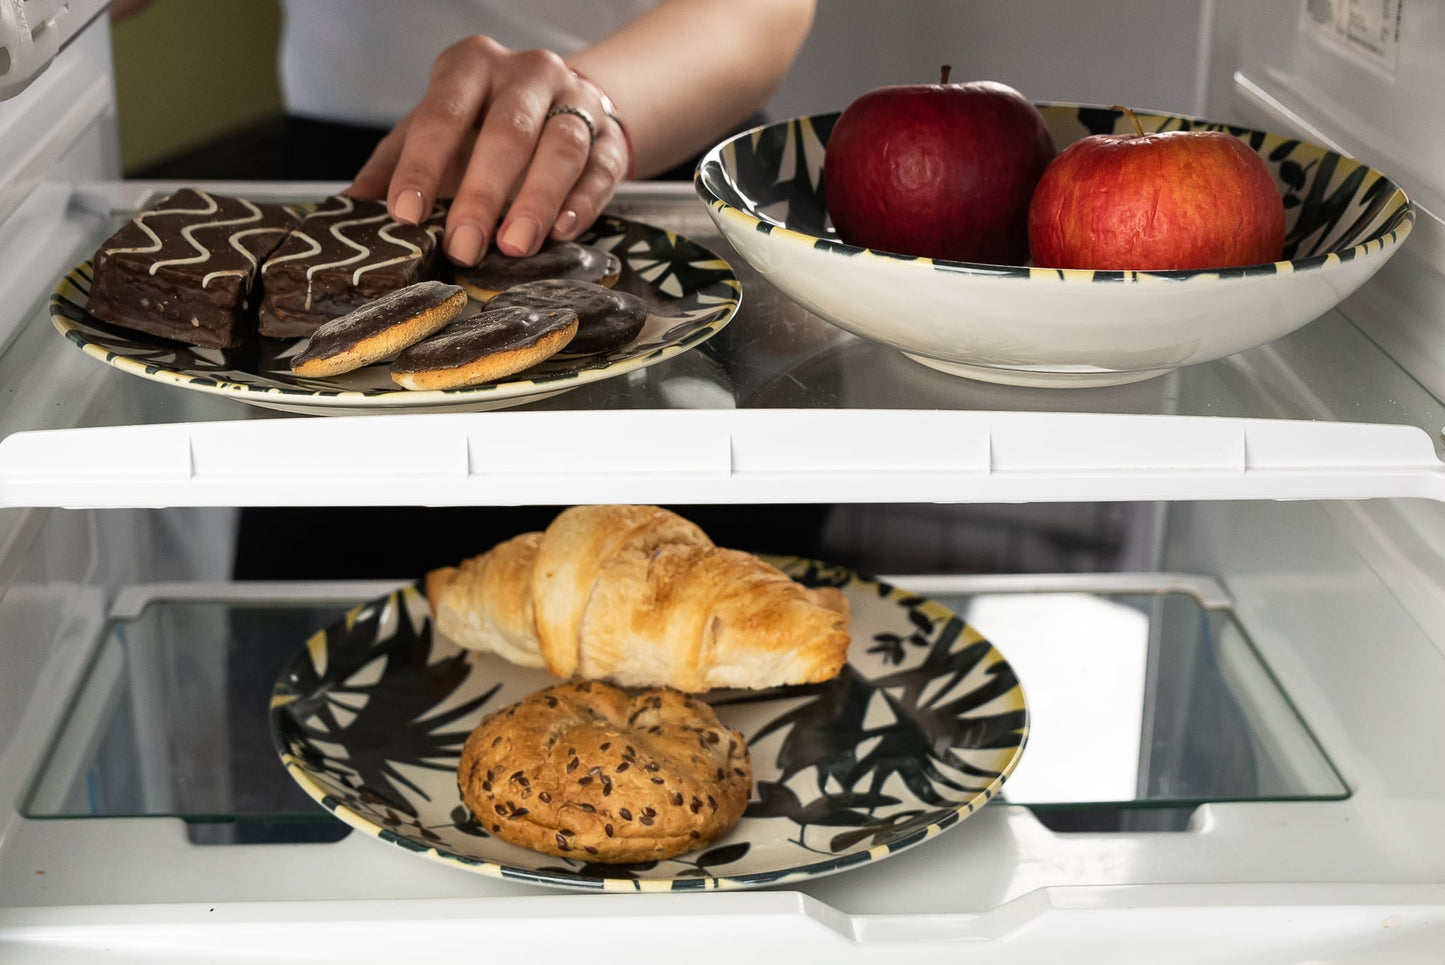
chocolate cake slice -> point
(186, 268)
(346, 253)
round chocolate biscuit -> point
(607, 318)
(590, 771)
(379, 329)
(497, 272)
(489, 345)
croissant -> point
(486, 602)
(642, 597)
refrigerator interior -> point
(1220, 590)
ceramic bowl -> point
(1050, 327)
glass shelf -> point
(774, 354)
(1146, 695)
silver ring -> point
(575, 112)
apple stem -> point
(944, 72)
(1138, 128)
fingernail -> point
(517, 237)
(564, 224)
(409, 206)
(465, 245)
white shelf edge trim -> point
(781, 455)
(1144, 924)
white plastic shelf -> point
(758, 456)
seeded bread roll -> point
(585, 770)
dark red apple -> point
(1156, 202)
(937, 170)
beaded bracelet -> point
(611, 112)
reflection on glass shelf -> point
(1081, 659)
(1154, 699)
(1143, 694)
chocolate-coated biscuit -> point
(489, 345)
(586, 770)
(497, 272)
(379, 329)
(607, 318)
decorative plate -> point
(1050, 327)
(919, 731)
(691, 295)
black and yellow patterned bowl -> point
(1033, 326)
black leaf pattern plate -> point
(919, 731)
(691, 294)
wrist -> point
(610, 110)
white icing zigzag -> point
(203, 254)
(157, 244)
(362, 252)
(338, 231)
(245, 252)
(413, 252)
(316, 245)
(314, 249)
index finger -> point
(427, 147)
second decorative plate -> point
(919, 731)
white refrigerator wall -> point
(1142, 53)
(59, 128)
(1363, 78)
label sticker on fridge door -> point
(1366, 31)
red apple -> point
(937, 170)
(1155, 202)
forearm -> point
(687, 70)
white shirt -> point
(367, 61)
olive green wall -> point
(189, 70)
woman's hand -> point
(496, 124)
